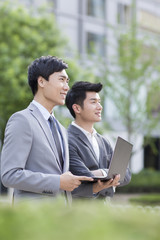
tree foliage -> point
(131, 81)
(24, 36)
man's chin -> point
(61, 103)
(98, 120)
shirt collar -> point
(43, 110)
(84, 131)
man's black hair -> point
(77, 94)
(44, 67)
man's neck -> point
(45, 104)
(86, 126)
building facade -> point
(86, 24)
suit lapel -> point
(84, 139)
(45, 127)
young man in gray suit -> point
(32, 161)
(90, 153)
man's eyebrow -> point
(64, 76)
(95, 99)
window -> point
(152, 153)
(95, 44)
(124, 14)
(96, 8)
(149, 21)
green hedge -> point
(149, 199)
(84, 220)
(146, 181)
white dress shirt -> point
(91, 138)
(94, 143)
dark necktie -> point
(54, 130)
(56, 138)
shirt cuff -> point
(104, 173)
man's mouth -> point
(98, 114)
(63, 95)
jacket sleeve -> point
(16, 148)
(127, 178)
(77, 166)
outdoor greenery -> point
(146, 181)
(84, 220)
(24, 36)
(147, 199)
(27, 34)
(131, 79)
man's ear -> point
(41, 81)
(76, 108)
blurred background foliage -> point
(131, 81)
(27, 34)
(24, 36)
(146, 181)
(152, 199)
(85, 220)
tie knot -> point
(53, 123)
(51, 119)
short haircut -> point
(44, 67)
(77, 94)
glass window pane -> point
(96, 8)
(123, 13)
(95, 44)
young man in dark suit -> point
(89, 152)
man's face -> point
(56, 88)
(91, 110)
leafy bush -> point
(24, 36)
(151, 199)
(146, 181)
(84, 220)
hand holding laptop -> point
(119, 161)
(100, 185)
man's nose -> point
(66, 86)
(99, 106)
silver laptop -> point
(119, 161)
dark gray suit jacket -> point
(83, 159)
(29, 159)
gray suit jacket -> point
(83, 159)
(29, 159)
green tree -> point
(24, 36)
(130, 80)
